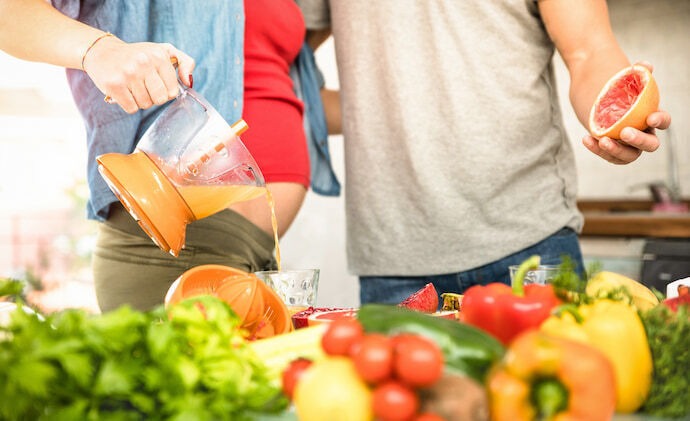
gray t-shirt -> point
(455, 150)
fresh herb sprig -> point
(668, 335)
(10, 288)
(571, 287)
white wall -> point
(656, 31)
(317, 237)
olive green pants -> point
(130, 269)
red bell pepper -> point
(505, 312)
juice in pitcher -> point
(207, 200)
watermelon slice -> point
(425, 300)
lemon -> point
(642, 298)
(331, 390)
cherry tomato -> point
(292, 374)
(417, 361)
(340, 335)
(354, 347)
(428, 416)
(373, 358)
(395, 402)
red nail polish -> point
(191, 81)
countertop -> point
(632, 218)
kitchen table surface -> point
(290, 416)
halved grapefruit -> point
(626, 100)
(301, 318)
(329, 316)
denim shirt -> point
(308, 82)
(212, 34)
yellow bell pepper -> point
(615, 329)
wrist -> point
(95, 47)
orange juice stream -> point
(274, 223)
(207, 200)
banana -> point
(643, 298)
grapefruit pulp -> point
(625, 101)
(301, 318)
(329, 316)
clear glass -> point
(541, 275)
(193, 145)
(297, 288)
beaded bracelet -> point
(107, 34)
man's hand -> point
(583, 36)
(633, 142)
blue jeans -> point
(394, 289)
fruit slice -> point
(625, 101)
(301, 318)
(329, 316)
(449, 314)
(451, 301)
(425, 300)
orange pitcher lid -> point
(149, 197)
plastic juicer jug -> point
(188, 165)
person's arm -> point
(583, 36)
(316, 37)
(329, 97)
(135, 75)
(331, 106)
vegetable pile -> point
(611, 323)
(579, 348)
(128, 365)
(394, 364)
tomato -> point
(428, 416)
(417, 362)
(292, 374)
(395, 402)
(340, 335)
(373, 358)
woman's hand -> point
(138, 75)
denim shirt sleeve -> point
(213, 35)
(308, 81)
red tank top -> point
(274, 33)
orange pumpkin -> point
(263, 312)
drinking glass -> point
(297, 288)
(543, 274)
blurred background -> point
(632, 222)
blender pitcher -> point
(188, 165)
